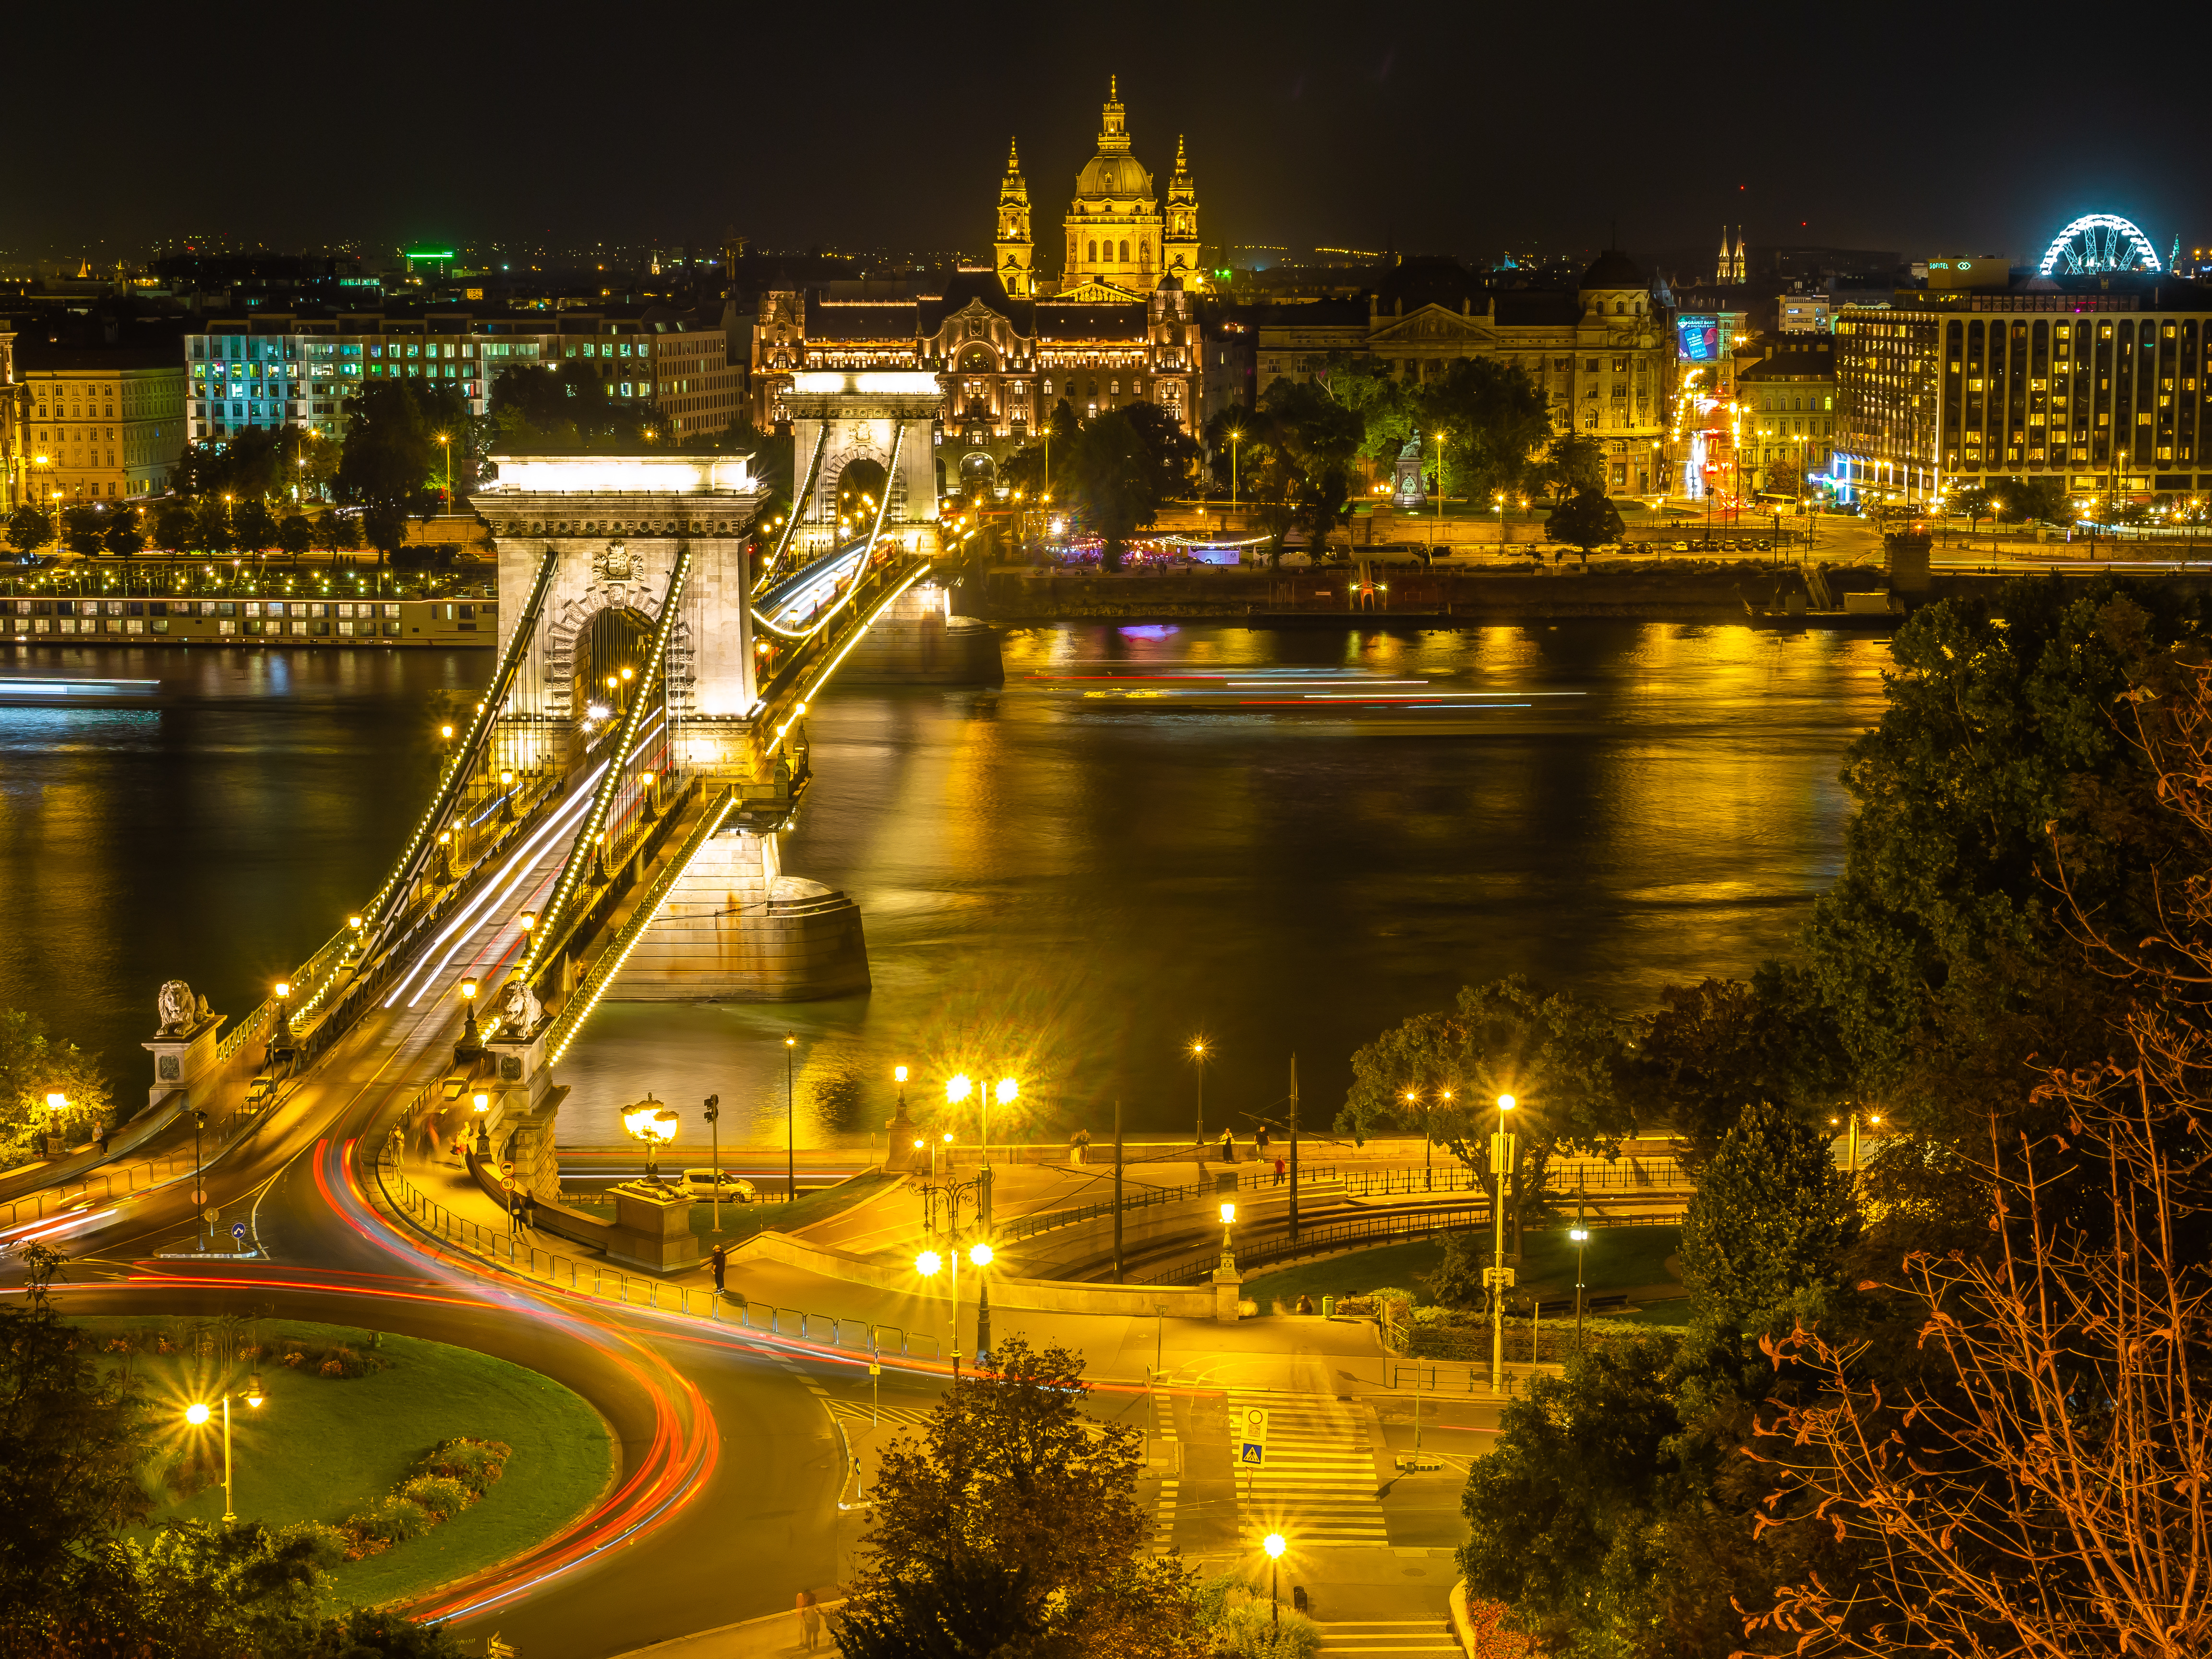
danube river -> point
(1285, 842)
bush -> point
(392, 1522)
(328, 1545)
(1259, 1631)
(475, 1464)
(440, 1495)
(339, 1361)
(1447, 1334)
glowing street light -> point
(1275, 1545)
(1504, 1152)
(197, 1415)
(650, 1121)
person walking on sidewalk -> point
(1278, 1171)
(810, 1622)
(719, 1261)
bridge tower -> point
(868, 425)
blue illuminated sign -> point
(1697, 339)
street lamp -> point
(468, 1036)
(655, 1124)
(1235, 437)
(1275, 1545)
(1228, 1249)
(282, 991)
(1873, 1120)
(1199, 1051)
(790, 1118)
(1503, 1157)
(197, 1415)
(1579, 1233)
(446, 443)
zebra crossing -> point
(1317, 1487)
(1385, 1636)
(1164, 1518)
(889, 1417)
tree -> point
(254, 526)
(384, 527)
(1012, 1527)
(1492, 417)
(32, 1065)
(1573, 463)
(126, 539)
(1444, 1072)
(212, 530)
(1588, 519)
(294, 535)
(1565, 1515)
(174, 526)
(1771, 1217)
(334, 531)
(29, 530)
(2016, 500)
(84, 529)
(1113, 480)
(389, 451)
(1977, 503)
(1717, 1047)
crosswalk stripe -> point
(1318, 1479)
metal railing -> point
(140, 1176)
(608, 1284)
(1045, 1221)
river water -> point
(1148, 834)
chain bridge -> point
(605, 821)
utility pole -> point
(1117, 1191)
(1294, 1149)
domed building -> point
(1120, 245)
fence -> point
(1327, 1235)
(125, 1178)
(1045, 1221)
(612, 1285)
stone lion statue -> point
(177, 1007)
(518, 1007)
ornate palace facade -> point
(1118, 326)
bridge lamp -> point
(445, 732)
(528, 919)
(929, 1264)
(980, 1254)
(56, 1102)
(958, 1088)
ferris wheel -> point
(2097, 243)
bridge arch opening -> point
(860, 489)
(979, 474)
(615, 638)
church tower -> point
(1180, 241)
(1114, 225)
(1016, 252)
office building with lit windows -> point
(267, 371)
(102, 423)
(2098, 380)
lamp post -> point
(790, 1119)
(1275, 1545)
(1580, 1234)
(282, 992)
(480, 1106)
(1503, 1151)
(1198, 1054)
(469, 1036)
(199, 1167)
(1873, 1120)
(199, 1411)
(650, 1121)
(714, 1116)
(1228, 1247)
(446, 443)
(1235, 437)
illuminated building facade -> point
(103, 422)
(1786, 399)
(1603, 353)
(1003, 363)
(2098, 380)
(1120, 245)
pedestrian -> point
(1260, 1140)
(810, 1622)
(719, 1261)
(1305, 1304)
(1278, 1171)
(529, 1208)
(1228, 1148)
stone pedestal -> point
(653, 1228)
(182, 1060)
(527, 1103)
(1228, 1288)
(737, 929)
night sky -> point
(1462, 129)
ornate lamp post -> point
(199, 1411)
(655, 1124)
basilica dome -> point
(1119, 176)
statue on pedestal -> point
(178, 1009)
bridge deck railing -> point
(609, 1283)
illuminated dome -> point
(2097, 243)
(1113, 176)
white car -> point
(703, 1183)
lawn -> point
(1618, 1259)
(320, 1448)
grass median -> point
(322, 1449)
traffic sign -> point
(496, 1649)
(1251, 1436)
(238, 1230)
(1498, 1276)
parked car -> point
(734, 1189)
(1766, 547)
(259, 1092)
(1682, 547)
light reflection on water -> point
(1068, 886)
(1061, 886)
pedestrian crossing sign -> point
(1252, 1456)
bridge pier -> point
(737, 929)
(919, 642)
